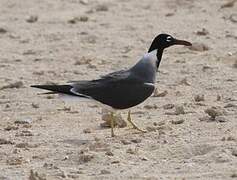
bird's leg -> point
(112, 124)
(133, 125)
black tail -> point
(66, 89)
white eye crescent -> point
(169, 38)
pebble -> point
(104, 171)
(151, 128)
(125, 142)
(9, 128)
(199, 47)
(23, 121)
(3, 31)
(179, 110)
(109, 153)
(25, 133)
(15, 161)
(168, 106)
(202, 32)
(36, 176)
(118, 119)
(83, 61)
(177, 121)
(233, 18)
(185, 82)
(154, 106)
(4, 141)
(131, 151)
(199, 97)
(101, 7)
(34, 105)
(87, 130)
(228, 4)
(234, 152)
(136, 140)
(18, 84)
(115, 162)
(84, 158)
(213, 112)
(160, 94)
(32, 19)
(84, 2)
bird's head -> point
(163, 41)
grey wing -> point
(119, 90)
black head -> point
(163, 41)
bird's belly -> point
(126, 97)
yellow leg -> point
(133, 125)
(112, 124)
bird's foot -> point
(134, 126)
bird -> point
(125, 88)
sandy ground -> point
(44, 41)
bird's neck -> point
(159, 56)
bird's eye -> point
(169, 38)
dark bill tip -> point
(182, 42)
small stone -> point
(199, 47)
(235, 64)
(205, 118)
(169, 14)
(202, 32)
(136, 140)
(101, 7)
(3, 31)
(87, 130)
(36, 176)
(23, 121)
(83, 61)
(168, 106)
(32, 19)
(185, 82)
(15, 161)
(18, 84)
(178, 121)
(84, 18)
(9, 128)
(233, 18)
(22, 145)
(115, 162)
(104, 171)
(229, 4)
(84, 2)
(213, 112)
(25, 133)
(4, 141)
(65, 158)
(218, 98)
(144, 159)
(160, 94)
(131, 151)
(154, 106)
(125, 142)
(199, 97)
(230, 105)
(234, 175)
(234, 152)
(84, 158)
(34, 105)
(179, 110)
(151, 128)
(118, 119)
(109, 153)
(220, 119)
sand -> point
(191, 124)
